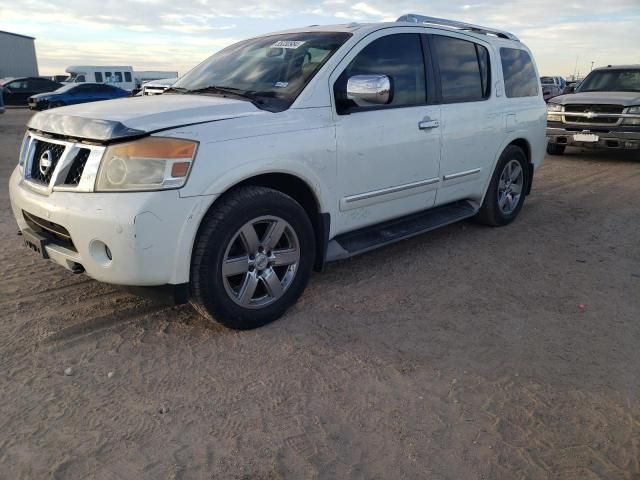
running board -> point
(375, 236)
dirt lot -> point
(468, 353)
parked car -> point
(16, 91)
(603, 112)
(1, 102)
(571, 86)
(552, 87)
(231, 187)
(157, 87)
(76, 93)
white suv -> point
(281, 153)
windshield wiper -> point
(176, 89)
(251, 96)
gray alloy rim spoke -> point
(272, 282)
(235, 266)
(510, 187)
(274, 235)
(503, 200)
(250, 237)
(285, 257)
(248, 288)
(253, 272)
(515, 173)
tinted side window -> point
(399, 57)
(464, 69)
(127, 76)
(118, 77)
(18, 85)
(519, 74)
(98, 77)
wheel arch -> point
(525, 146)
(298, 189)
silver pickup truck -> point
(603, 112)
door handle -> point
(428, 124)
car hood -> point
(602, 98)
(129, 117)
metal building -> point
(17, 55)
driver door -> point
(388, 155)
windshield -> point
(75, 77)
(611, 81)
(270, 71)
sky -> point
(565, 36)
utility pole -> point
(592, 66)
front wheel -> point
(252, 258)
(506, 193)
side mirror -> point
(369, 90)
(569, 89)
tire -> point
(555, 149)
(504, 199)
(225, 235)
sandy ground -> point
(461, 354)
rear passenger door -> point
(388, 155)
(471, 122)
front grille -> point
(55, 233)
(42, 173)
(614, 109)
(77, 167)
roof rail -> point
(411, 17)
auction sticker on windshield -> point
(288, 44)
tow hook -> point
(77, 268)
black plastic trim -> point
(323, 227)
(168, 294)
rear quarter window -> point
(520, 78)
(464, 69)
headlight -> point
(632, 121)
(152, 163)
(22, 159)
(554, 107)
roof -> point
(411, 20)
(620, 67)
(17, 35)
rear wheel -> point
(555, 149)
(252, 259)
(506, 193)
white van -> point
(118, 76)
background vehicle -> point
(604, 112)
(1, 102)
(157, 87)
(230, 188)
(73, 94)
(552, 86)
(145, 76)
(118, 76)
(571, 86)
(16, 91)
